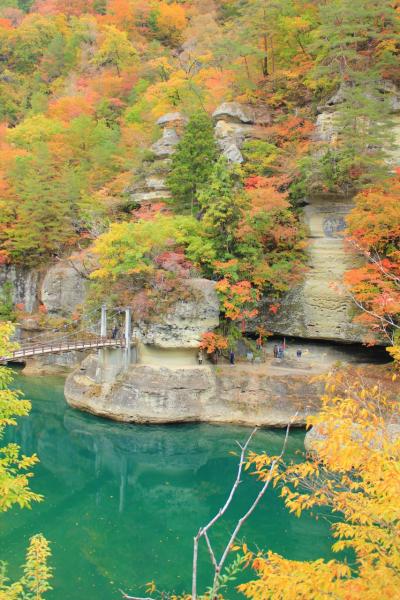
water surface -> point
(122, 502)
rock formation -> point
(150, 186)
(63, 289)
(234, 124)
(24, 285)
(315, 309)
(184, 324)
(156, 394)
(58, 290)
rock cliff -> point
(187, 320)
(57, 291)
(315, 309)
(159, 394)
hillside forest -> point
(82, 85)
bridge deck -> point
(56, 347)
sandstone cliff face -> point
(151, 394)
(316, 309)
(60, 288)
(24, 286)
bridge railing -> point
(64, 346)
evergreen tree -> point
(352, 36)
(42, 222)
(192, 162)
(222, 207)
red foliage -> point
(70, 107)
(4, 257)
(211, 342)
(148, 211)
(274, 308)
(374, 228)
(69, 8)
(5, 24)
(239, 299)
(175, 262)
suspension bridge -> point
(56, 341)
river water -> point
(122, 502)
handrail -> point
(55, 347)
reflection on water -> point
(122, 503)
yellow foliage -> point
(171, 20)
(394, 351)
(14, 488)
(354, 469)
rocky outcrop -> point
(23, 284)
(60, 288)
(54, 364)
(316, 309)
(187, 320)
(63, 289)
(165, 146)
(234, 123)
(231, 137)
(151, 394)
(242, 113)
(173, 119)
(150, 185)
(57, 291)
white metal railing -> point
(55, 347)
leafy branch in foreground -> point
(353, 468)
(14, 488)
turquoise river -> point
(122, 502)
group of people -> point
(279, 352)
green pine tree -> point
(192, 163)
(222, 205)
(349, 35)
(42, 223)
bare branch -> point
(250, 511)
(211, 551)
(203, 531)
(133, 597)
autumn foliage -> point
(353, 469)
(374, 231)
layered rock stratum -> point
(159, 394)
